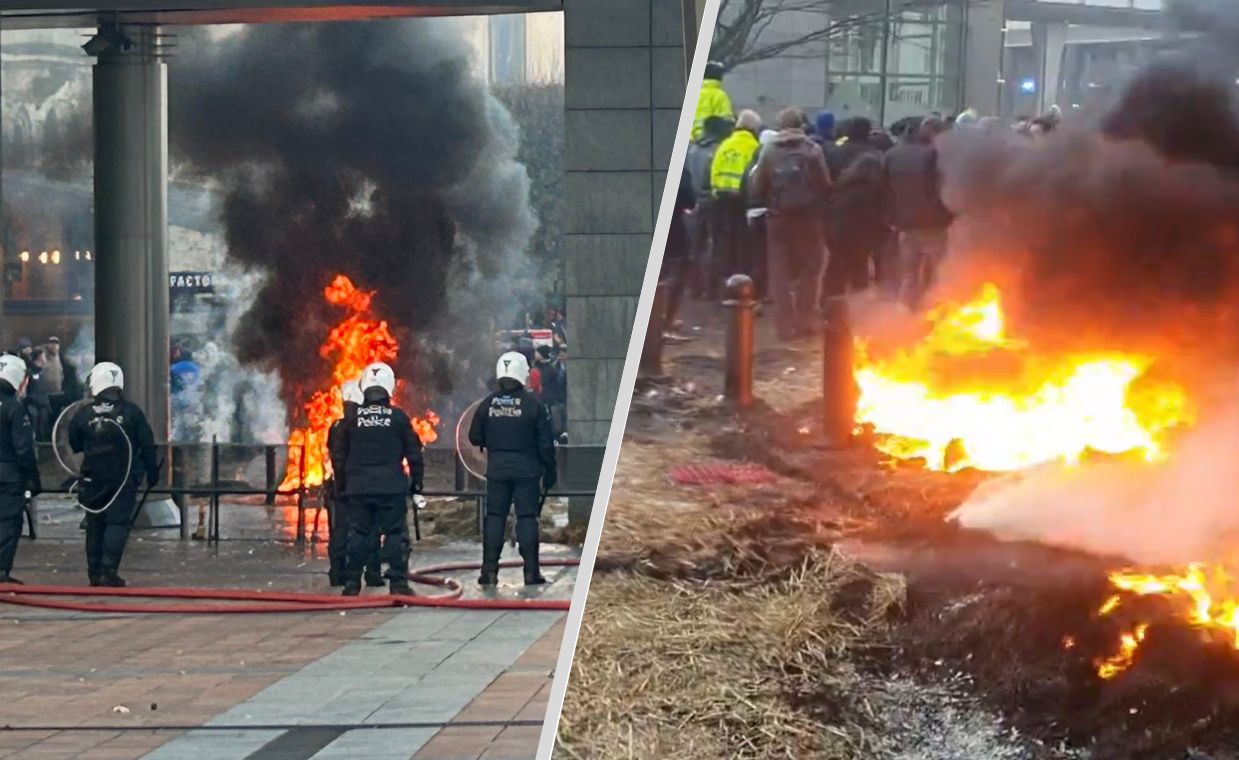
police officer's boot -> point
(400, 587)
(6, 578)
(490, 567)
(111, 580)
(533, 574)
(373, 577)
(351, 587)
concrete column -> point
(5, 253)
(1050, 41)
(131, 220)
(624, 87)
(983, 55)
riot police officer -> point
(19, 472)
(514, 428)
(377, 440)
(337, 501)
(118, 452)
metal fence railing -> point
(215, 470)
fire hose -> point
(235, 601)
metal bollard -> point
(213, 518)
(652, 351)
(272, 484)
(738, 386)
(839, 394)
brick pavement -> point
(520, 693)
(70, 672)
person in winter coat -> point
(730, 228)
(792, 179)
(713, 100)
(756, 215)
(914, 187)
(855, 226)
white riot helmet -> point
(351, 393)
(514, 366)
(378, 375)
(105, 375)
(13, 370)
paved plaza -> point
(416, 683)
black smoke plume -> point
(366, 149)
(1119, 230)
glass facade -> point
(908, 62)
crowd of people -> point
(548, 363)
(811, 209)
(51, 383)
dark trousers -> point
(700, 260)
(675, 272)
(501, 494)
(108, 532)
(847, 269)
(795, 250)
(730, 237)
(758, 265)
(388, 514)
(12, 505)
(337, 539)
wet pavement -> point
(384, 684)
(258, 551)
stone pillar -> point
(624, 87)
(1050, 41)
(5, 253)
(983, 58)
(131, 220)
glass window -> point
(917, 71)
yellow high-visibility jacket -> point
(731, 160)
(713, 102)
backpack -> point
(107, 456)
(792, 187)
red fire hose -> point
(239, 601)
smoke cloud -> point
(366, 149)
(1179, 512)
(1119, 232)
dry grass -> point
(722, 630)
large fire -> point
(355, 342)
(969, 395)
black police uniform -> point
(18, 473)
(514, 428)
(376, 440)
(337, 512)
(108, 532)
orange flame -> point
(970, 396)
(353, 344)
(1209, 598)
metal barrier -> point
(182, 466)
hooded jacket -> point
(786, 143)
(713, 101)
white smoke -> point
(1184, 510)
(230, 402)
